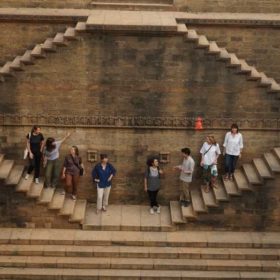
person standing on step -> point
(102, 175)
(35, 144)
(51, 161)
(186, 168)
(233, 145)
(210, 152)
(152, 183)
(72, 170)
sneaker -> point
(97, 211)
(152, 211)
(26, 177)
(104, 209)
(158, 210)
(73, 197)
(36, 180)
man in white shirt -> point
(186, 168)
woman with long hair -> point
(233, 145)
(72, 170)
(152, 183)
(210, 152)
(35, 144)
(51, 161)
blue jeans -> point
(230, 163)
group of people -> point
(103, 172)
(210, 152)
(38, 150)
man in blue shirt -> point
(102, 174)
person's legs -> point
(68, 183)
(150, 194)
(233, 163)
(206, 177)
(106, 197)
(214, 175)
(55, 173)
(155, 199)
(227, 165)
(185, 191)
(75, 182)
(48, 173)
(31, 166)
(37, 165)
(100, 193)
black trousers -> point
(35, 164)
(153, 198)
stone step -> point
(81, 27)
(38, 52)
(15, 175)
(233, 61)
(68, 207)
(79, 211)
(48, 45)
(272, 162)
(139, 252)
(46, 196)
(192, 35)
(220, 192)
(209, 198)
(241, 181)
(223, 55)
(244, 67)
(24, 185)
(35, 190)
(127, 217)
(59, 40)
(6, 70)
(167, 2)
(254, 75)
(231, 188)
(6, 168)
(182, 28)
(27, 58)
(262, 168)
(274, 88)
(251, 174)
(131, 6)
(197, 201)
(57, 201)
(70, 33)
(176, 213)
(198, 239)
(264, 80)
(188, 212)
(276, 152)
(69, 274)
(213, 48)
(16, 64)
(202, 42)
(138, 263)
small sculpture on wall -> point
(164, 157)
(92, 155)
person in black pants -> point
(35, 143)
(152, 183)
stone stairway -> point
(246, 179)
(40, 51)
(154, 5)
(239, 66)
(12, 175)
(75, 254)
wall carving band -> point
(133, 122)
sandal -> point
(226, 177)
(206, 189)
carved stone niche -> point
(92, 155)
(164, 157)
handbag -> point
(79, 166)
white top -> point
(233, 143)
(54, 154)
(187, 168)
(210, 157)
